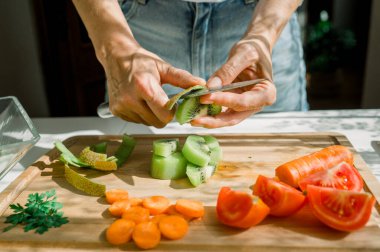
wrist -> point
(115, 46)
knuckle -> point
(229, 70)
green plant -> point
(327, 48)
(41, 212)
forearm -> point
(269, 18)
(106, 26)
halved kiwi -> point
(191, 108)
(196, 150)
(165, 147)
(198, 175)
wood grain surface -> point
(244, 157)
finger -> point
(153, 108)
(228, 118)
(229, 71)
(262, 94)
(178, 77)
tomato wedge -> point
(340, 209)
(282, 199)
(240, 209)
(342, 176)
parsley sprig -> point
(41, 212)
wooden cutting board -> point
(245, 156)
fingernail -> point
(215, 82)
(206, 100)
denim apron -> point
(197, 37)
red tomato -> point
(282, 199)
(340, 209)
(239, 209)
(342, 176)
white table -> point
(361, 127)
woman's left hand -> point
(248, 60)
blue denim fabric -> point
(197, 37)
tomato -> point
(342, 176)
(282, 199)
(340, 209)
(240, 209)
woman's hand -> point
(135, 78)
(248, 60)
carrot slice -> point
(120, 231)
(173, 227)
(146, 235)
(156, 219)
(292, 171)
(115, 195)
(119, 207)
(156, 204)
(137, 214)
(135, 201)
(190, 208)
(171, 210)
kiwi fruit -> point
(198, 175)
(170, 167)
(165, 147)
(196, 150)
(191, 108)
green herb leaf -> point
(40, 213)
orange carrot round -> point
(190, 208)
(292, 171)
(137, 214)
(119, 207)
(173, 227)
(120, 231)
(156, 218)
(146, 235)
(115, 195)
(156, 204)
(135, 201)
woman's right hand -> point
(135, 78)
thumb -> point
(228, 72)
(178, 77)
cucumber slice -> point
(165, 147)
(170, 167)
(215, 150)
(198, 175)
(196, 150)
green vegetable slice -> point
(170, 104)
(100, 147)
(84, 184)
(125, 149)
(68, 157)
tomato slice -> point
(340, 209)
(232, 205)
(240, 209)
(342, 176)
(282, 199)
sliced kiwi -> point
(213, 109)
(189, 109)
(198, 175)
(165, 147)
(170, 167)
(170, 104)
(215, 150)
(196, 150)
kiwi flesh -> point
(170, 167)
(165, 147)
(198, 175)
(191, 108)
